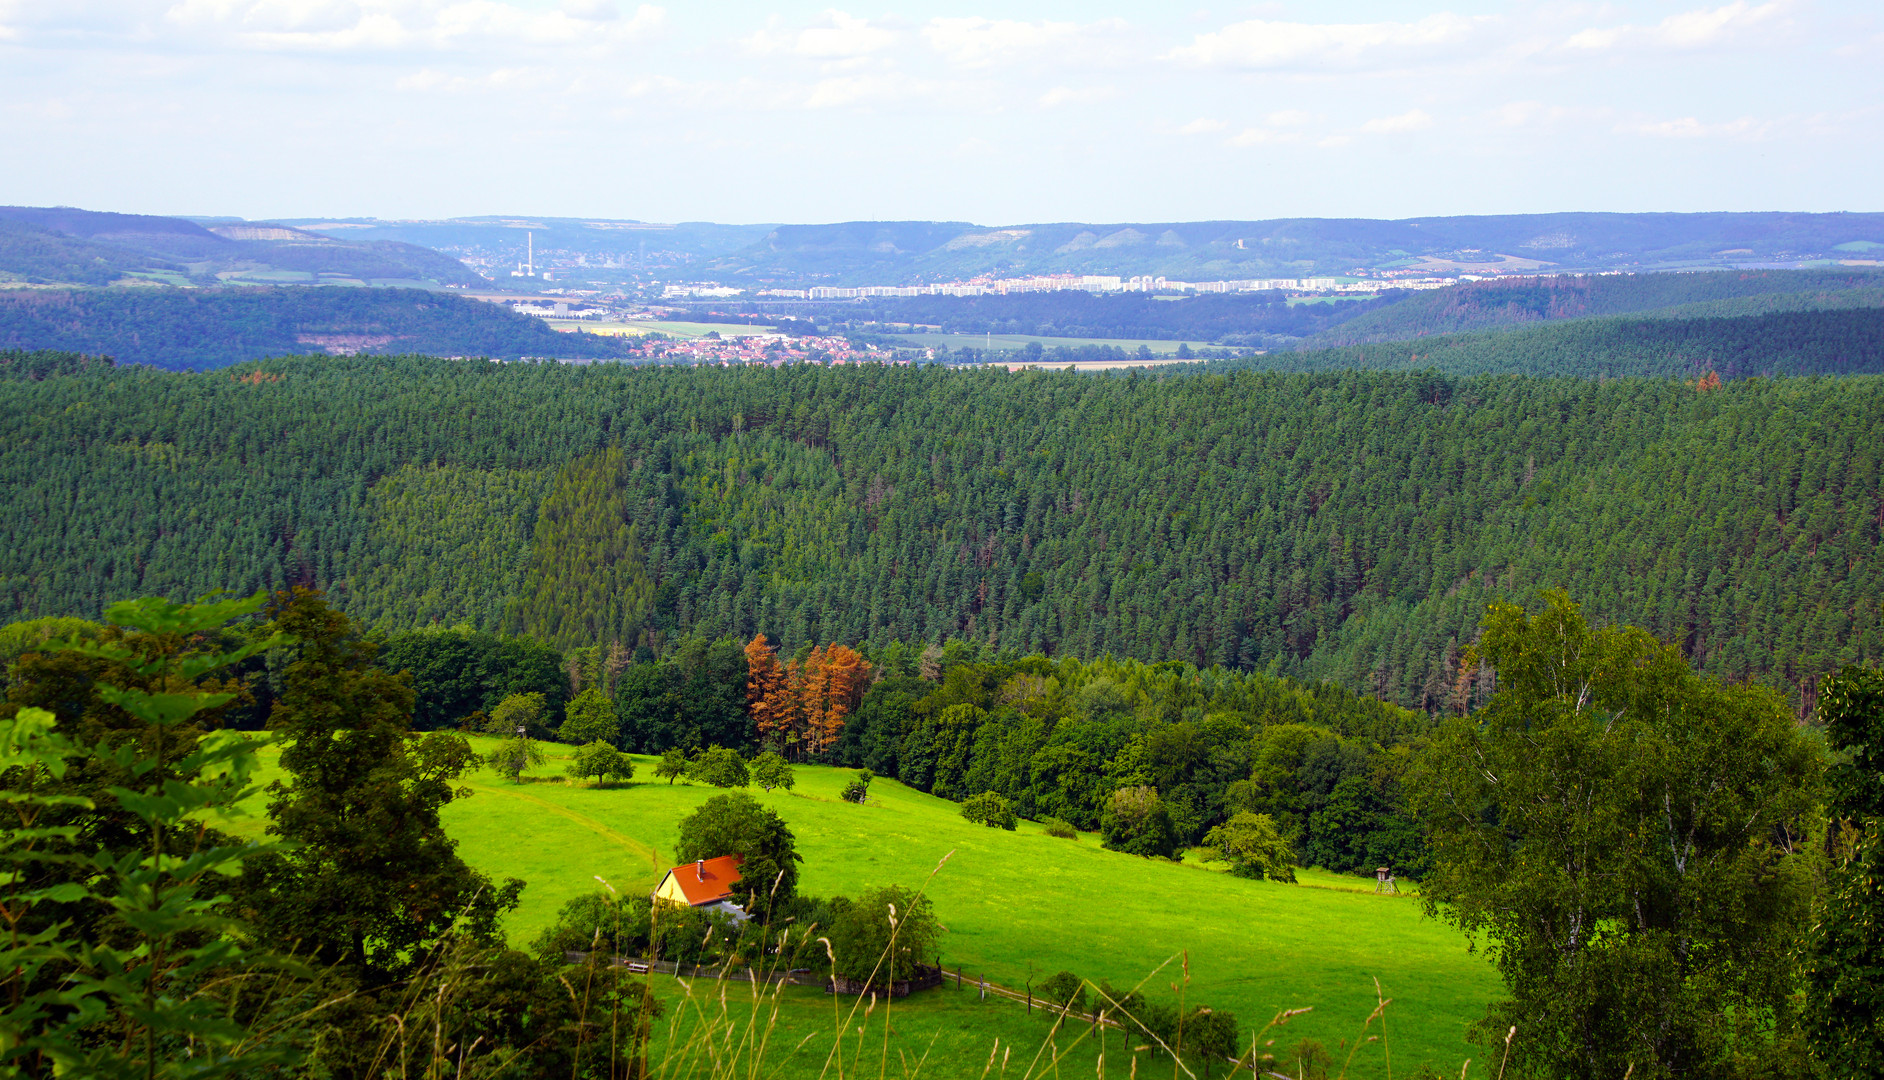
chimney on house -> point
(699, 869)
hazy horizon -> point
(1038, 112)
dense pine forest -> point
(1504, 303)
(1839, 342)
(1348, 526)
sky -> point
(961, 110)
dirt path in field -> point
(584, 820)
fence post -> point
(984, 988)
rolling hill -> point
(202, 329)
(63, 245)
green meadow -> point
(1017, 906)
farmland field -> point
(1013, 901)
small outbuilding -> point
(701, 884)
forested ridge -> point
(1270, 319)
(1840, 342)
(201, 329)
(1343, 525)
(1501, 303)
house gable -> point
(701, 883)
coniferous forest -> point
(1348, 526)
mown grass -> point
(1017, 906)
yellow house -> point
(700, 884)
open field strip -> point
(1017, 905)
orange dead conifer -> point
(841, 676)
(766, 693)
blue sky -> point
(992, 113)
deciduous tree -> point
(990, 808)
(1845, 957)
(736, 824)
(1623, 834)
(372, 884)
(601, 761)
(772, 771)
(590, 717)
(1253, 847)
(719, 766)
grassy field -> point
(1016, 904)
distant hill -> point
(879, 252)
(63, 245)
(201, 329)
(499, 240)
(1484, 305)
(1268, 320)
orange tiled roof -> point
(710, 881)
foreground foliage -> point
(1845, 957)
(1629, 839)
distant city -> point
(1095, 283)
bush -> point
(861, 937)
(720, 767)
(858, 790)
(1137, 823)
(1055, 827)
(991, 809)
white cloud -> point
(1412, 120)
(1259, 45)
(1069, 95)
(1203, 125)
(1258, 137)
(874, 89)
(1686, 30)
(1687, 127)
(331, 25)
(838, 35)
(592, 10)
(430, 80)
(978, 42)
